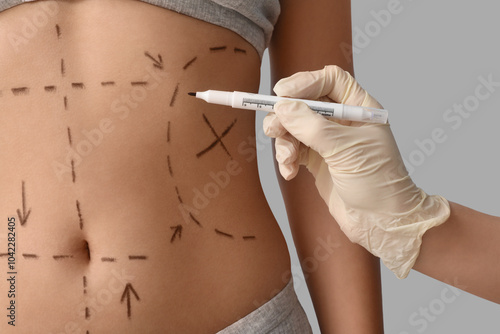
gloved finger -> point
(289, 171)
(302, 85)
(272, 126)
(287, 148)
(331, 81)
(310, 128)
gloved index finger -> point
(302, 85)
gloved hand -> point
(358, 169)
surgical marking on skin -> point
(80, 217)
(23, 216)
(189, 63)
(107, 83)
(61, 257)
(20, 91)
(126, 293)
(58, 31)
(87, 248)
(139, 83)
(69, 137)
(174, 96)
(238, 50)
(218, 139)
(219, 232)
(84, 285)
(178, 195)
(156, 63)
(177, 232)
(78, 85)
(108, 259)
(137, 257)
(73, 174)
(30, 256)
(50, 89)
(218, 48)
(168, 132)
(194, 219)
(65, 103)
(63, 67)
(170, 166)
(87, 312)
(249, 237)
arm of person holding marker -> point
(360, 174)
(343, 278)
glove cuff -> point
(431, 212)
(396, 238)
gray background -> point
(426, 59)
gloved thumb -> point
(307, 126)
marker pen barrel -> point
(251, 101)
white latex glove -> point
(358, 169)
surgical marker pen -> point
(266, 103)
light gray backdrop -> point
(423, 60)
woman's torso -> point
(100, 145)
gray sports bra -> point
(253, 20)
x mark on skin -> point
(218, 139)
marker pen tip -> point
(191, 94)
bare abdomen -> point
(137, 207)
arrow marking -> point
(24, 216)
(177, 232)
(156, 63)
(126, 293)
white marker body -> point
(251, 101)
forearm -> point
(464, 252)
(342, 277)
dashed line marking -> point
(78, 85)
(30, 256)
(62, 257)
(189, 63)
(219, 232)
(20, 91)
(218, 48)
(174, 96)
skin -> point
(199, 282)
(345, 285)
(464, 252)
